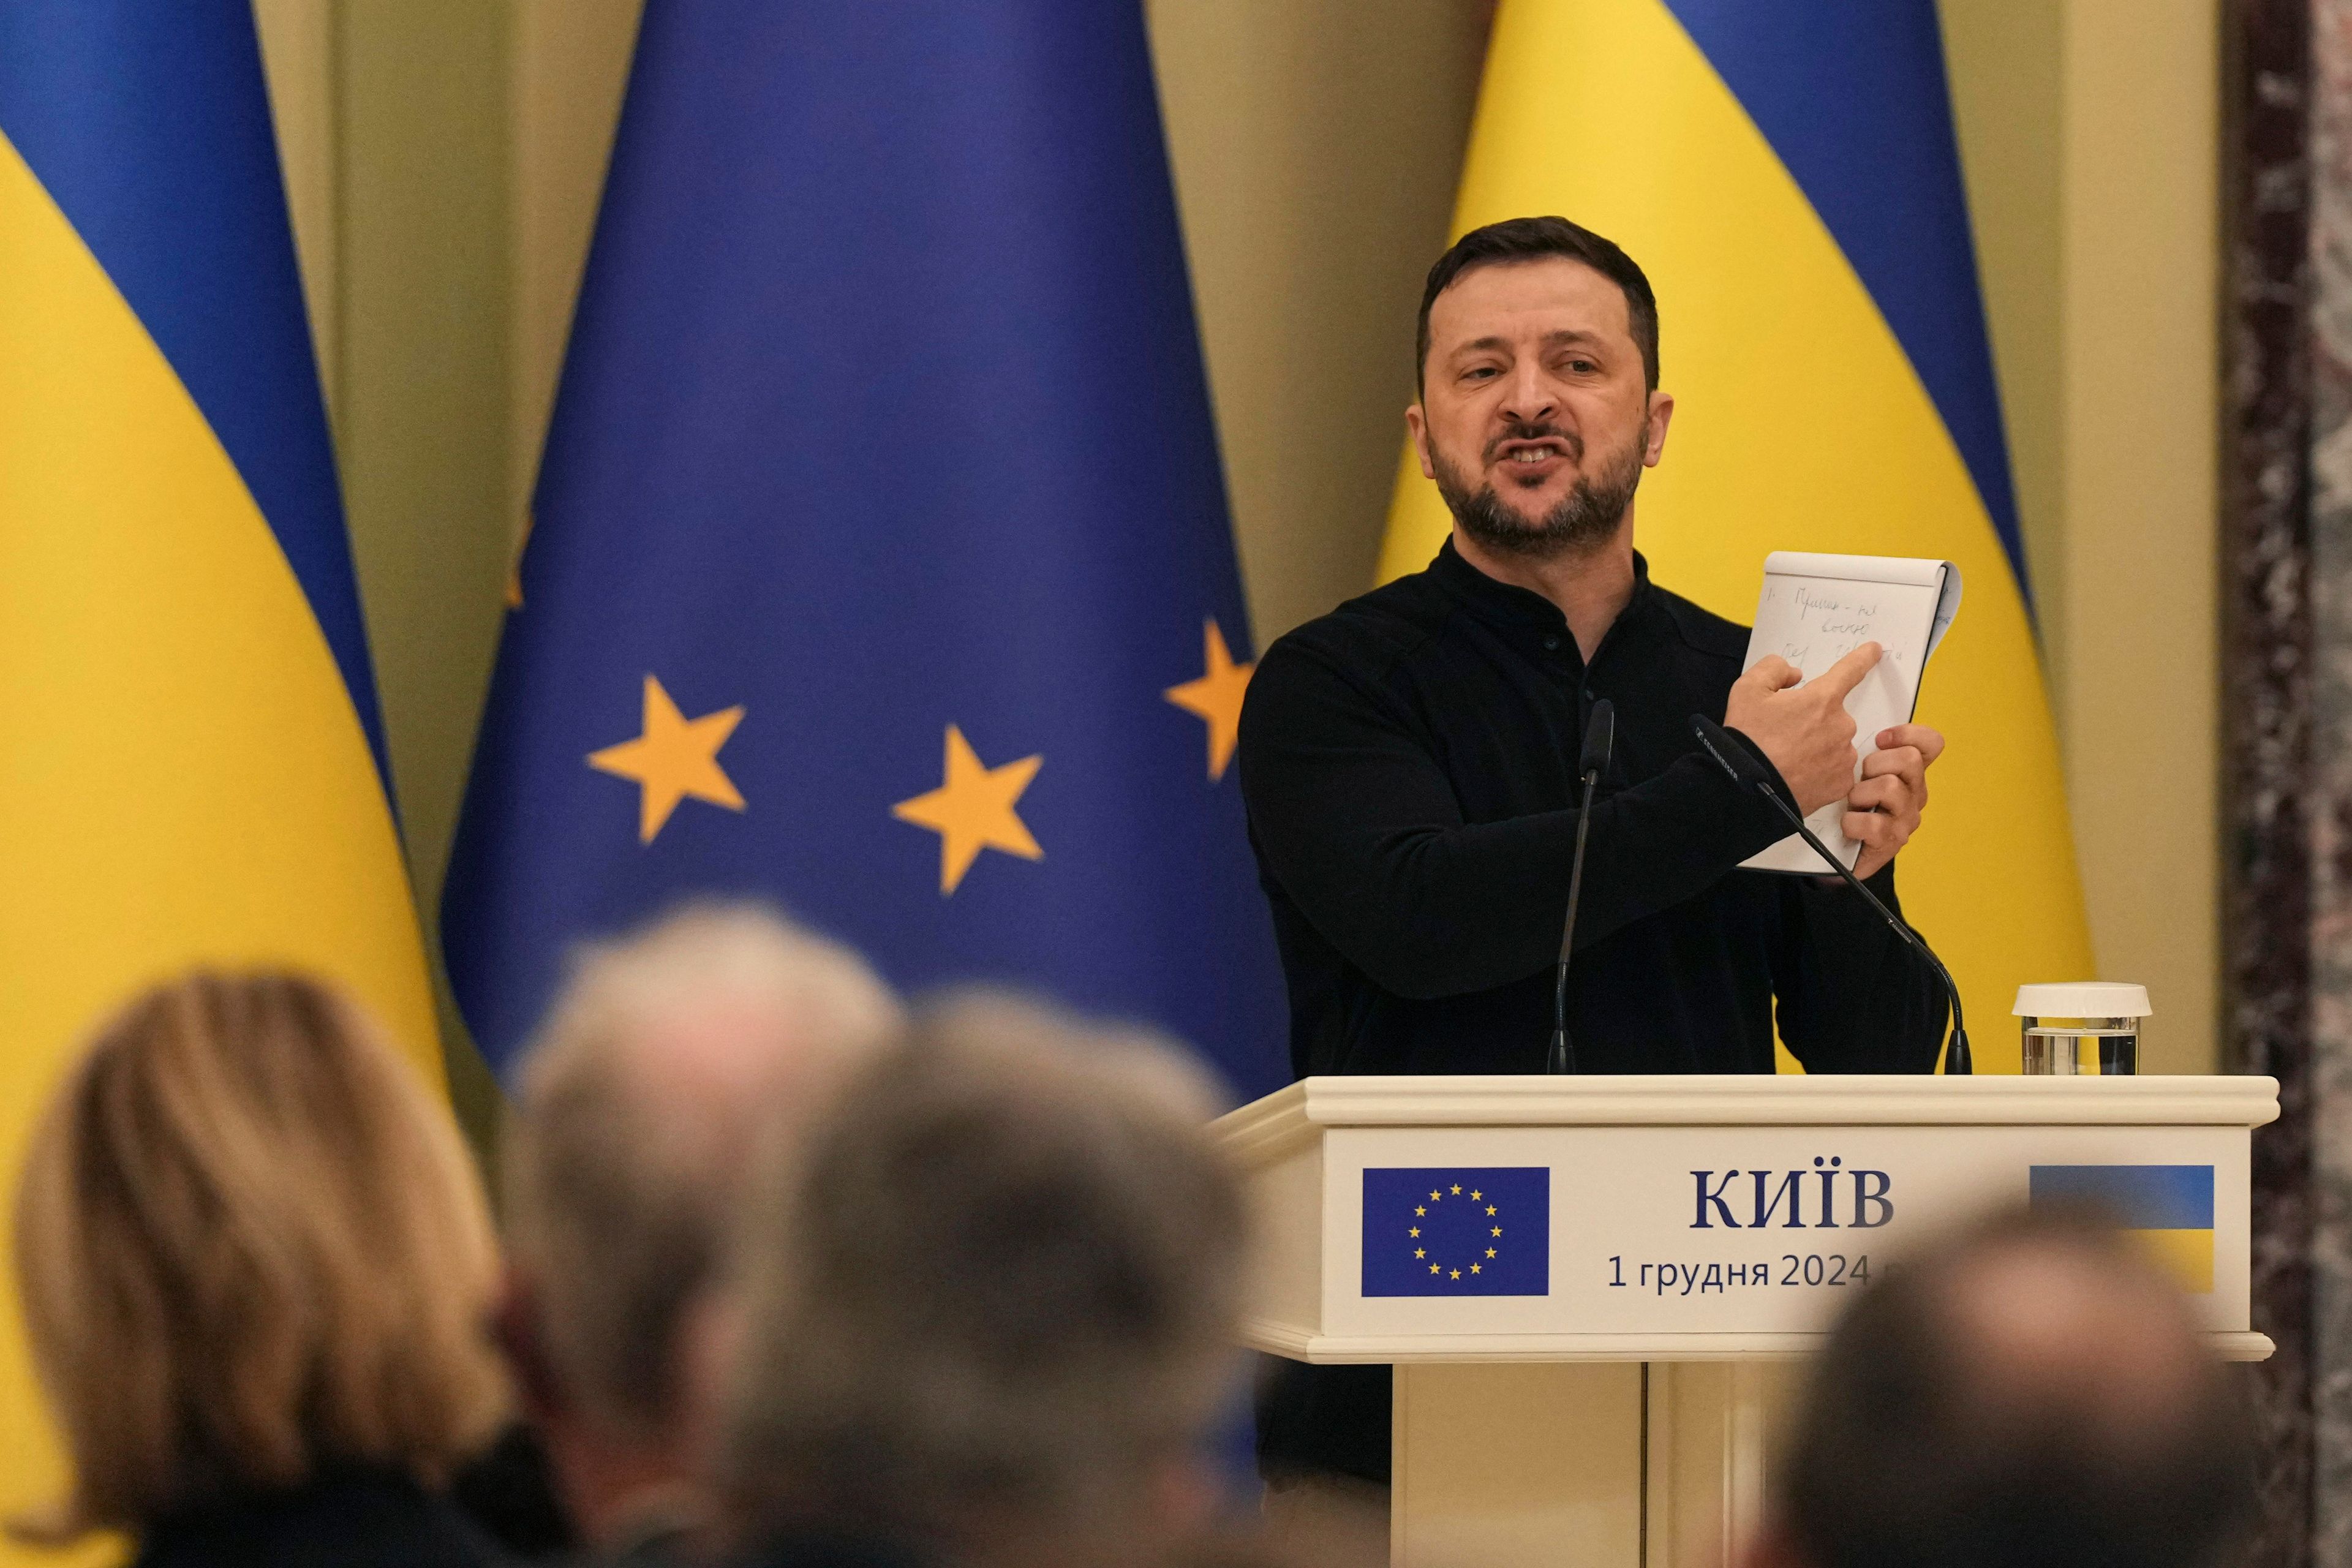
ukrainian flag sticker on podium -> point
(2168, 1208)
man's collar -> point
(1509, 602)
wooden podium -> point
(1595, 1381)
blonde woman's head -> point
(249, 1244)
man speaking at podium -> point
(1410, 764)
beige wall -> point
(570, 64)
(443, 158)
(396, 118)
(2089, 131)
(2139, 674)
(1315, 144)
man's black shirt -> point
(1409, 763)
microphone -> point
(1738, 761)
(1599, 735)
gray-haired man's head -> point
(669, 1061)
(1002, 1282)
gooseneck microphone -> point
(1738, 761)
(1599, 735)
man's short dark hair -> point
(1535, 239)
(1928, 1439)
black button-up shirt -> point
(1409, 762)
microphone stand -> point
(1600, 736)
(1720, 744)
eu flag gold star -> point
(675, 757)
(1490, 1252)
(1457, 1273)
(1414, 1231)
(1457, 1189)
(1499, 1230)
(1216, 697)
(1420, 1252)
(972, 811)
(1475, 1266)
(1433, 1268)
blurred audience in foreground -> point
(987, 1316)
(792, 1279)
(257, 1272)
(668, 1063)
(2034, 1394)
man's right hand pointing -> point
(1804, 730)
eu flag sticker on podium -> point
(1443, 1232)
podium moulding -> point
(1615, 1236)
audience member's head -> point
(251, 1249)
(669, 1058)
(989, 1311)
(2031, 1395)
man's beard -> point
(1587, 515)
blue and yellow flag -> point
(2167, 1209)
(1443, 1231)
(880, 565)
(1787, 176)
(191, 760)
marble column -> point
(2329, 315)
(2269, 766)
(2287, 550)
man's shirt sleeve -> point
(1853, 995)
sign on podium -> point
(1594, 1289)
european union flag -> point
(1447, 1232)
(880, 564)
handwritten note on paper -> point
(1816, 609)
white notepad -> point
(1816, 609)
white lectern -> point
(1593, 1288)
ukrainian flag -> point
(191, 758)
(1787, 176)
(2168, 1208)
